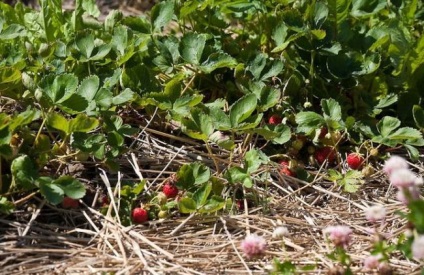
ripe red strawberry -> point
(69, 203)
(105, 200)
(323, 133)
(354, 160)
(240, 204)
(170, 190)
(285, 169)
(275, 120)
(325, 153)
(139, 215)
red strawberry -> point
(105, 200)
(139, 215)
(324, 131)
(170, 190)
(240, 204)
(325, 153)
(70, 203)
(354, 161)
(285, 169)
(275, 120)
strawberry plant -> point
(243, 82)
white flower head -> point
(417, 247)
(403, 178)
(340, 235)
(394, 163)
(375, 213)
(280, 232)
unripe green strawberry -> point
(367, 171)
(162, 214)
(81, 156)
(336, 136)
(161, 197)
(311, 149)
(298, 144)
(374, 152)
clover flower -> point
(280, 232)
(406, 195)
(253, 246)
(403, 178)
(372, 262)
(417, 247)
(340, 235)
(394, 163)
(375, 213)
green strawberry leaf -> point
(202, 193)
(387, 125)
(254, 159)
(123, 97)
(53, 193)
(71, 187)
(58, 122)
(83, 123)
(24, 172)
(6, 207)
(217, 60)
(193, 174)
(187, 205)
(308, 122)
(215, 203)
(192, 45)
(161, 15)
(85, 45)
(418, 113)
(238, 175)
(199, 126)
(242, 109)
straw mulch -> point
(43, 239)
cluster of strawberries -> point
(320, 155)
(169, 191)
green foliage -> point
(286, 267)
(351, 181)
(206, 196)
(253, 159)
(193, 174)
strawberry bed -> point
(239, 137)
